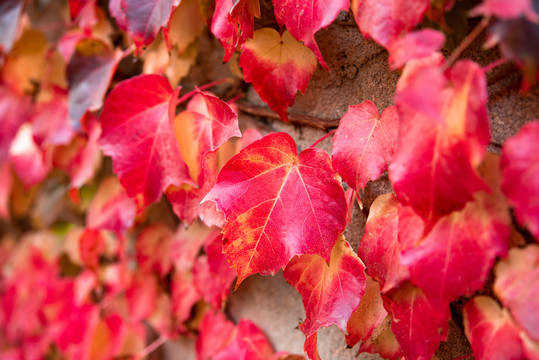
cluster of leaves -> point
(119, 273)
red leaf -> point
(386, 20)
(506, 9)
(418, 324)
(414, 45)
(216, 332)
(51, 121)
(303, 18)
(364, 143)
(184, 296)
(83, 12)
(311, 347)
(91, 246)
(153, 249)
(382, 342)
(467, 244)
(6, 184)
(385, 238)
(249, 344)
(141, 295)
(187, 243)
(233, 23)
(90, 67)
(278, 67)
(278, 205)
(15, 111)
(145, 18)
(138, 136)
(520, 166)
(517, 286)
(27, 158)
(368, 316)
(492, 333)
(330, 292)
(111, 208)
(437, 174)
(10, 11)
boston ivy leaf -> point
(185, 25)
(10, 11)
(303, 18)
(277, 205)
(330, 292)
(454, 131)
(517, 286)
(382, 342)
(6, 185)
(278, 67)
(386, 20)
(91, 246)
(390, 229)
(27, 158)
(111, 208)
(184, 296)
(137, 134)
(414, 45)
(83, 12)
(506, 9)
(216, 332)
(491, 331)
(89, 73)
(51, 120)
(15, 110)
(153, 249)
(249, 343)
(418, 324)
(145, 18)
(520, 166)
(466, 243)
(364, 143)
(233, 23)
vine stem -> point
(465, 43)
(202, 88)
(152, 347)
(323, 138)
(493, 65)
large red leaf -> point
(491, 331)
(364, 143)
(437, 175)
(517, 286)
(137, 134)
(467, 244)
(89, 73)
(15, 111)
(390, 229)
(303, 18)
(10, 11)
(418, 324)
(278, 66)
(278, 205)
(330, 292)
(386, 20)
(233, 23)
(520, 166)
(145, 18)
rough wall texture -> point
(359, 72)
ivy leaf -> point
(520, 166)
(216, 332)
(89, 73)
(506, 9)
(364, 143)
(414, 45)
(137, 134)
(153, 249)
(277, 205)
(467, 243)
(10, 11)
(330, 292)
(517, 286)
(491, 331)
(15, 110)
(386, 20)
(278, 67)
(382, 342)
(27, 158)
(184, 296)
(390, 229)
(83, 12)
(185, 25)
(91, 246)
(454, 131)
(145, 18)
(111, 208)
(418, 324)
(249, 343)
(303, 18)
(233, 23)
(51, 121)
(6, 185)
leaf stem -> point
(323, 138)
(493, 65)
(152, 347)
(465, 43)
(202, 88)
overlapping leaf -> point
(15, 110)
(303, 18)
(414, 45)
(277, 205)
(520, 166)
(491, 331)
(278, 66)
(506, 9)
(10, 11)
(364, 143)
(137, 134)
(453, 126)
